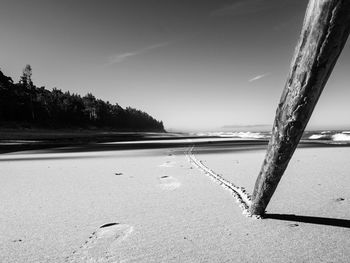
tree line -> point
(31, 106)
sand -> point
(156, 206)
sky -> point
(194, 64)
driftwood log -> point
(325, 31)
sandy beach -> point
(154, 205)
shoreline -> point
(14, 140)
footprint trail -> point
(169, 183)
(101, 246)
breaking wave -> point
(334, 136)
(338, 137)
(245, 135)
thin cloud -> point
(259, 77)
(287, 23)
(118, 58)
(244, 7)
(240, 7)
(121, 57)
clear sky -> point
(195, 64)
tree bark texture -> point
(325, 30)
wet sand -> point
(153, 205)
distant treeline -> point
(31, 106)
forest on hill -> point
(25, 105)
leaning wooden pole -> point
(325, 30)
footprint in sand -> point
(167, 164)
(169, 183)
(101, 245)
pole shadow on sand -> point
(310, 219)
